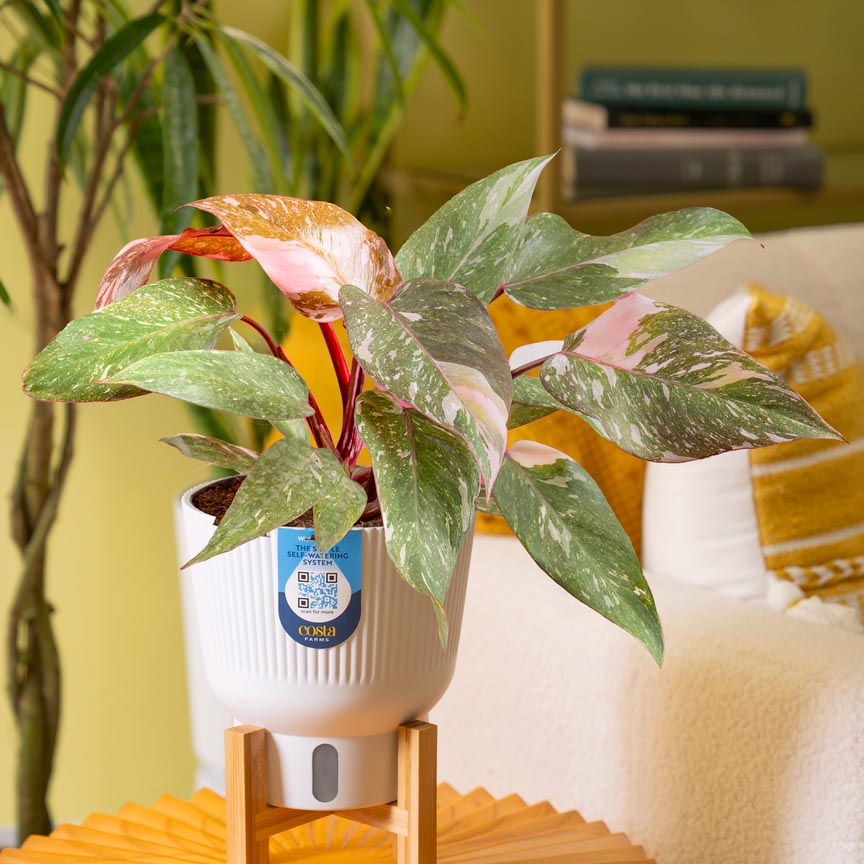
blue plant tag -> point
(319, 593)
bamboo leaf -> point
(251, 385)
(442, 60)
(263, 177)
(561, 517)
(180, 150)
(112, 53)
(298, 82)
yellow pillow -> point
(809, 495)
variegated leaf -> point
(471, 238)
(561, 517)
(427, 481)
(171, 315)
(133, 264)
(215, 451)
(251, 385)
(434, 347)
(309, 249)
(664, 385)
(337, 511)
(531, 401)
(288, 479)
(556, 267)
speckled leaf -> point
(251, 385)
(309, 249)
(434, 346)
(427, 481)
(471, 238)
(171, 315)
(335, 514)
(664, 385)
(531, 401)
(561, 517)
(556, 267)
(215, 451)
(288, 479)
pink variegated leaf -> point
(133, 264)
(434, 347)
(309, 249)
(666, 386)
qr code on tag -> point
(317, 591)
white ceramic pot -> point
(330, 670)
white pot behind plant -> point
(331, 713)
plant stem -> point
(347, 443)
(337, 358)
(527, 367)
(274, 349)
(316, 423)
(499, 291)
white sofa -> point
(748, 746)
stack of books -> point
(638, 129)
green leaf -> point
(112, 53)
(263, 177)
(531, 401)
(338, 510)
(561, 517)
(171, 315)
(292, 429)
(214, 451)
(5, 299)
(298, 82)
(444, 63)
(387, 49)
(427, 481)
(434, 346)
(556, 267)
(251, 385)
(180, 151)
(240, 344)
(471, 238)
(664, 385)
(270, 130)
(288, 479)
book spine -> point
(638, 171)
(632, 137)
(694, 118)
(699, 88)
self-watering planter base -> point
(330, 652)
(412, 816)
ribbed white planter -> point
(332, 712)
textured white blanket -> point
(748, 746)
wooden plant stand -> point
(412, 817)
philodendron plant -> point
(656, 380)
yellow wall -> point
(112, 568)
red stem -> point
(499, 291)
(347, 443)
(316, 423)
(337, 358)
(534, 364)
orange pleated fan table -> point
(475, 829)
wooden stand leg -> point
(250, 822)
